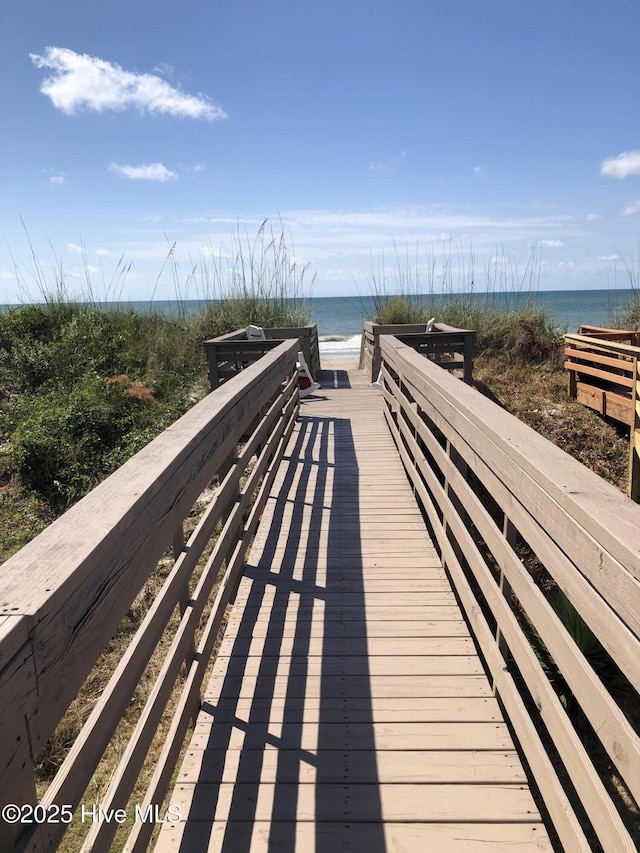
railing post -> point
(18, 786)
(633, 489)
(509, 532)
(184, 596)
(467, 357)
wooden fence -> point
(601, 364)
(604, 373)
(231, 353)
(63, 596)
(447, 346)
(513, 517)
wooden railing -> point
(604, 374)
(622, 336)
(514, 517)
(602, 366)
(233, 352)
(447, 346)
(63, 596)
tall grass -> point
(629, 318)
(84, 385)
(506, 317)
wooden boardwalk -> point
(348, 709)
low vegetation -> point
(82, 388)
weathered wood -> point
(443, 339)
(157, 788)
(492, 446)
(633, 488)
(345, 639)
(262, 836)
(229, 354)
(353, 802)
(397, 766)
(90, 565)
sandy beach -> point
(344, 362)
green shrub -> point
(83, 387)
(398, 308)
(66, 439)
(523, 334)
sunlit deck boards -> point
(348, 709)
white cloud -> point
(55, 176)
(625, 164)
(631, 208)
(75, 249)
(478, 170)
(146, 172)
(389, 165)
(551, 244)
(102, 252)
(607, 257)
(593, 217)
(80, 81)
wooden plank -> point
(601, 345)
(308, 612)
(317, 837)
(372, 630)
(318, 686)
(355, 737)
(590, 396)
(290, 668)
(355, 803)
(353, 686)
(364, 709)
(621, 363)
(390, 767)
(323, 646)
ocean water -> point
(340, 318)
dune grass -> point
(505, 315)
(83, 386)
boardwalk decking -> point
(348, 709)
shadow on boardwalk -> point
(300, 597)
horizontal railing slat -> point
(64, 594)
(447, 434)
(555, 797)
(159, 784)
(615, 732)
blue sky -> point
(435, 130)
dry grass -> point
(537, 395)
(70, 726)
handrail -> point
(601, 373)
(229, 354)
(63, 596)
(498, 497)
(604, 374)
(447, 346)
